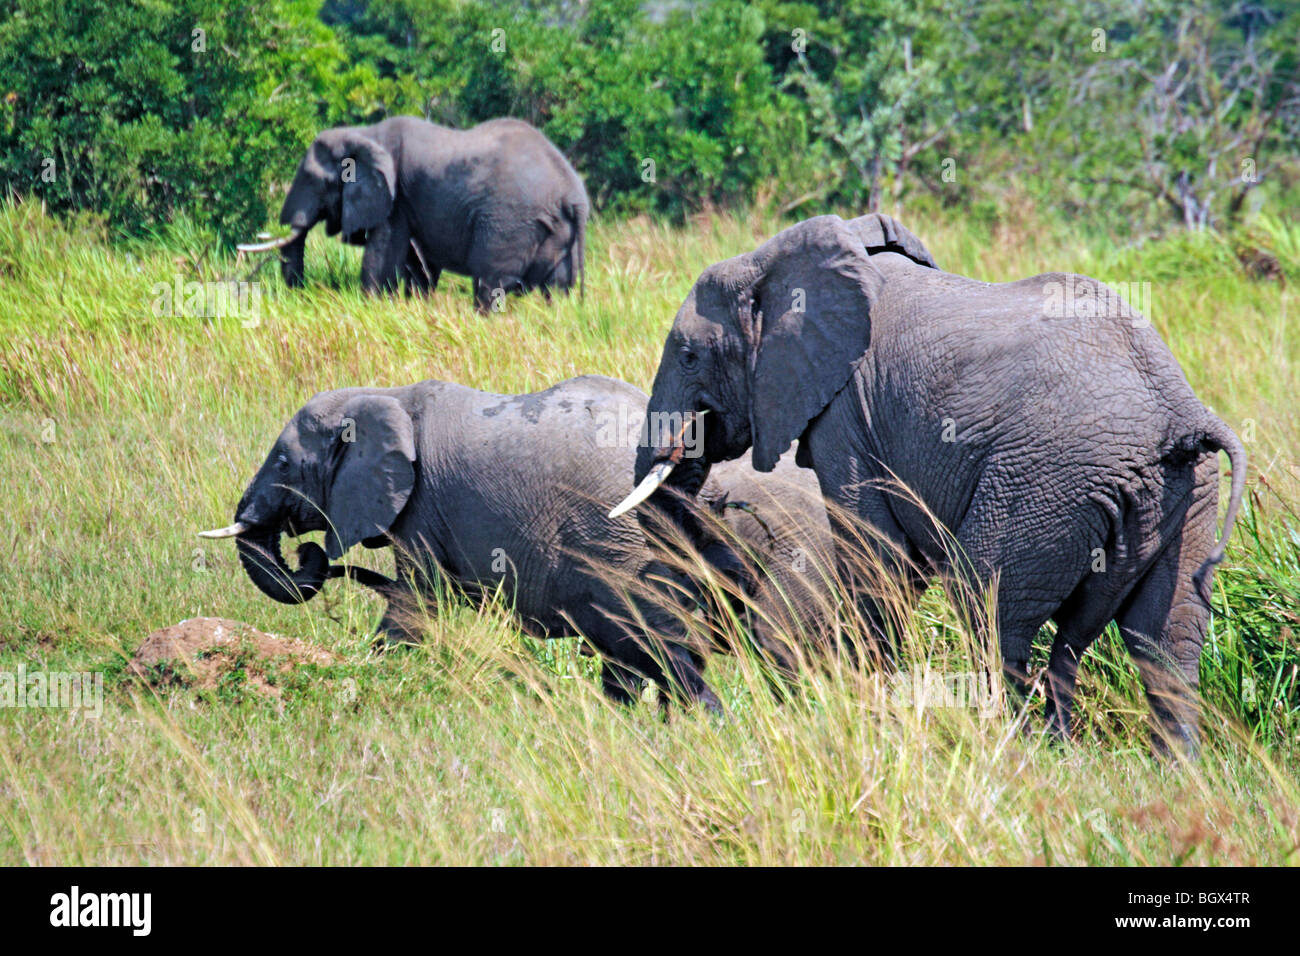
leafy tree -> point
(662, 115)
(142, 111)
(1205, 98)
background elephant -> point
(1054, 440)
(497, 202)
(779, 522)
(490, 490)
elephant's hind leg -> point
(421, 278)
(635, 657)
(1164, 624)
(1165, 618)
(1038, 541)
(1079, 622)
(620, 685)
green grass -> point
(123, 432)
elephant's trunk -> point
(291, 255)
(259, 553)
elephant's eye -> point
(281, 464)
(689, 358)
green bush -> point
(667, 107)
(666, 115)
(142, 111)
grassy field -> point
(125, 431)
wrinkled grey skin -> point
(497, 202)
(1044, 443)
(493, 490)
(780, 521)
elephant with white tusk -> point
(497, 202)
(1034, 439)
(492, 491)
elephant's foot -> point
(1172, 738)
(619, 684)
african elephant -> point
(497, 202)
(490, 491)
(788, 569)
(1043, 425)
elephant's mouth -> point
(259, 552)
(677, 456)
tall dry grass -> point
(124, 431)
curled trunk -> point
(260, 555)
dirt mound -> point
(202, 651)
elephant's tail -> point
(1217, 437)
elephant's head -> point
(347, 179)
(762, 344)
(343, 465)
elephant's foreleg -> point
(620, 685)
(884, 584)
(411, 604)
(291, 261)
(402, 621)
(386, 249)
(421, 278)
(490, 291)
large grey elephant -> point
(1062, 457)
(490, 491)
(497, 202)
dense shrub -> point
(662, 112)
(1134, 114)
(142, 111)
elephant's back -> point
(529, 479)
(1056, 353)
(580, 435)
(519, 157)
(1047, 389)
(781, 513)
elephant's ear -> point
(810, 317)
(374, 474)
(369, 184)
(881, 233)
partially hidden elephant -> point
(1035, 440)
(787, 567)
(497, 202)
(492, 491)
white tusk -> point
(237, 528)
(647, 488)
(269, 244)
